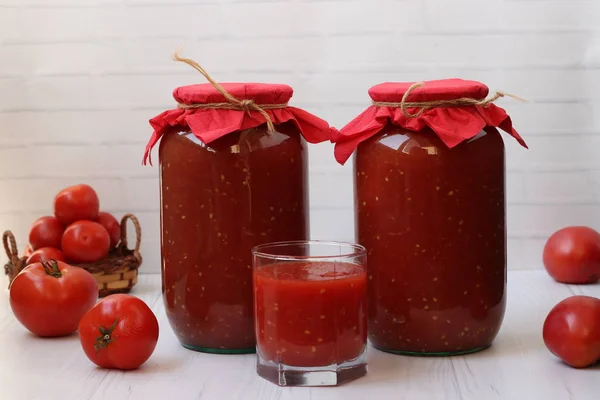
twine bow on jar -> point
(232, 103)
(423, 106)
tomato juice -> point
(310, 313)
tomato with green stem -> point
(49, 298)
(120, 332)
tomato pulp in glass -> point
(310, 314)
(217, 202)
(433, 222)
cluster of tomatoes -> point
(52, 298)
(572, 328)
(78, 232)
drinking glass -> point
(310, 312)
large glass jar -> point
(218, 200)
(430, 209)
(433, 221)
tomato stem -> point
(105, 337)
(51, 268)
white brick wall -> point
(79, 80)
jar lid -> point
(260, 93)
(209, 115)
(454, 109)
(212, 110)
(443, 89)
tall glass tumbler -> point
(310, 312)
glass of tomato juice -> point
(310, 305)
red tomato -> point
(85, 241)
(110, 223)
(119, 332)
(28, 250)
(50, 298)
(45, 254)
(572, 255)
(572, 331)
(46, 232)
(75, 203)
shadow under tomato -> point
(73, 336)
(154, 365)
(592, 367)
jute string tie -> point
(232, 103)
(427, 105)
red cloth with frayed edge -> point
(452, 124)
(211, 124)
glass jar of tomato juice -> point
(430, 209)
(227, 183)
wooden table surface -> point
(517, 366)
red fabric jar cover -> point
(209, 124)
(453, 124)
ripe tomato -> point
(50, 298)
(46, 232)
(85, 241)
(572, 255)
(110, 223)
(119, 332)
(45, 254)
(79, 202)
(28, 250)
(572, 331)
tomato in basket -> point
(46, 231)
(76, 203)
(45, 254)
(85, 241)
(112, 226)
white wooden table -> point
(517, 366)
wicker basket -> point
(117, 273)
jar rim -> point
(345, 250)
